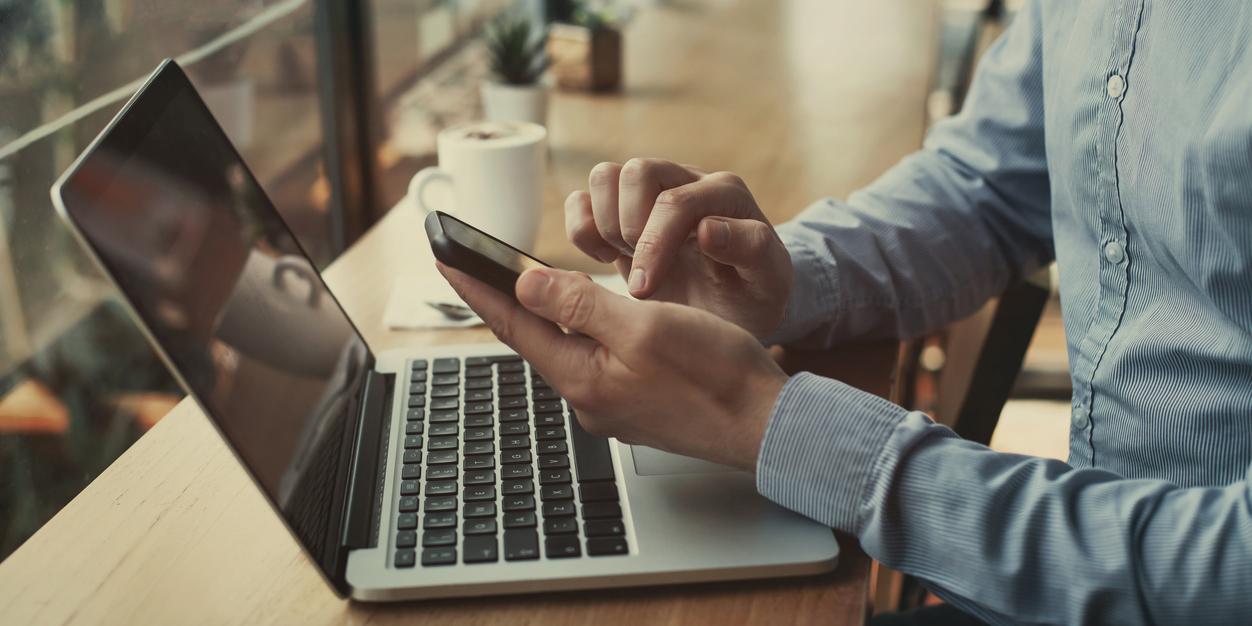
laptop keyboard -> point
(487, 472)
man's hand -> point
(678, 234)
(662, 375)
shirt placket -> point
(1114, 259)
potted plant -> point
(585, 49)
(517, 63)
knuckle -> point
(729, 178)
(502, 328)
(576, 308)
(604, 173)
(673, 198)
(636, 171)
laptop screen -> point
(181, 225)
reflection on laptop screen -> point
(194, 243)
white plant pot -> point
(515, 103)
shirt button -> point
(1116, 86)
(1079, 418)
(1114, 252)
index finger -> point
(674, 218)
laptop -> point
(426, 472)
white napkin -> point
(408, 308)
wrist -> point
(755, 415)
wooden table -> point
(803, 98)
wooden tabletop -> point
(803, 98)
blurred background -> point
(334, 104)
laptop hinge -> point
(364, 481)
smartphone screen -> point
(488, 246)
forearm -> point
(1007, 536)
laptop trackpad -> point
(653, 462)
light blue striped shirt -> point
(1114, 137)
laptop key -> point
(446, 366)
(552, 432)
(417, 389)
(562, 546)
(538, 382)
(477, 361)
(480, 477)
(515, 456)
(601, 510)
(511, 367)
(416, 415)
(442, 443)
(520, 519)
(517, 487)
(516, 471)
(438, 556)
(418, 376)
(554, 477)
(440, 487)
(514, 428)
(412, 456)
(519, 503)
(412, 442)
(597, 492)
(445, 391)
(405, 558)
(508, 391)
(478, 383)
(479, 509)
(479, 407)
(446, 519)
(592, 458)
(412, 471)
(441, 472)
(515, 402)
(545, 393)
(419, 364)
(514, 415)
(406, 521)
(444, 417)
(479, 492)
(479, 395)
(482, 433)
(549, 419)
(441, 457)
(560, 525)
(546, 447)
(477, 372)
(445, 379)
(414, 428)
(477, 421)
(556, 492)
(480, 549)
(521, 545)
(553, 461)
(548, 406)
(604, 546)
(511, 379)
(558, 508)
(442, 404)
(444, 429)
(410, 487)
(480, 462)
(480, 447)
(417, 401)
(604, 528)
(408, 504)
(441, 503)
(406, 539)
(515, 442)
(479, 526)
(438, 538)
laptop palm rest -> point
(653, 462)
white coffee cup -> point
(495, 171)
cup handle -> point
(417, 187)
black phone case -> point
(453, 254)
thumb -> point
(574, 301)
(750, 246)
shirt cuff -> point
(813, 297)
(822, 449)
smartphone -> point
(476, 253)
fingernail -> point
(637, 280)
(719, 233)
(531, 287)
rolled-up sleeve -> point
(938, 234)
(1012, 539)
